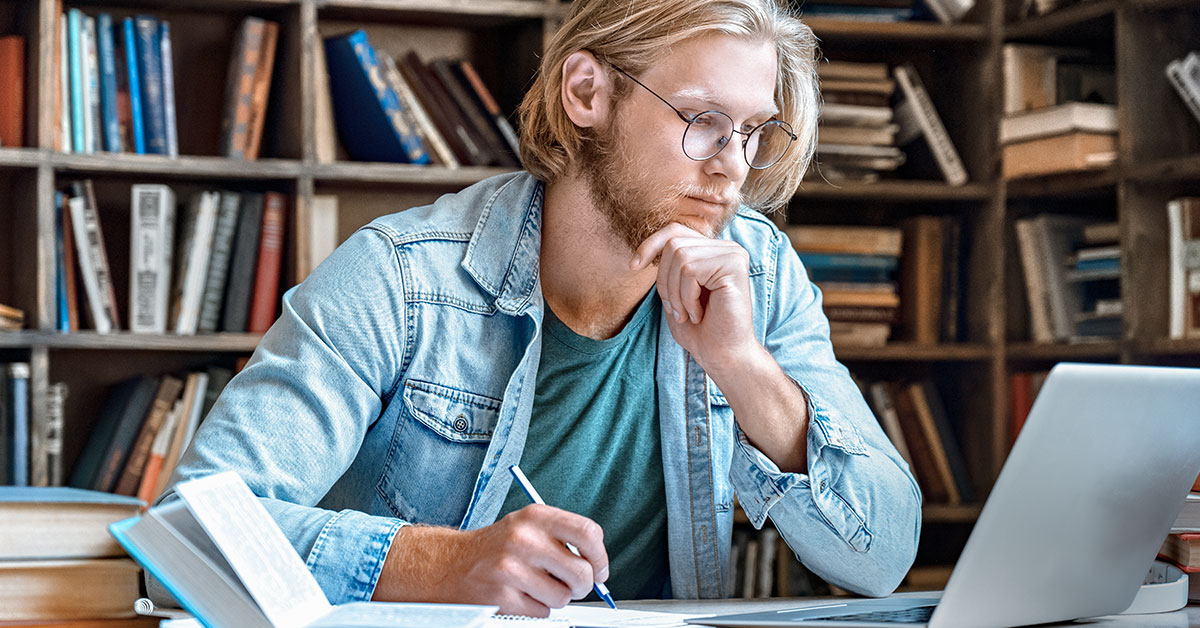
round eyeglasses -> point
(708, 133)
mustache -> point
(727, 191)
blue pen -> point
(532, 493)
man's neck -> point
(585, 271)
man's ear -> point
(586, 90)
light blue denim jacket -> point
(396, 388)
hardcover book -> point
(57, 522)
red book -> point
(265, 295)
(12, 91)
(1020, 401)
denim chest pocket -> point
(441, 438)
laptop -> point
(1076, 517)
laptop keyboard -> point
(915, 615)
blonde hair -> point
(633, 34)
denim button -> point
(460, 424)
(822, 486)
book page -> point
(595, 617)
(256, 548)
(396, 615)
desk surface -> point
(1186, 618)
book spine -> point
(158, 454)
(263, 299)
(62, 105)
(484, 95)
(425, 127)
(441, 110)
(94, 271)
(261, 89)
(18, 402)
(1176, 74)
(168, 83)
(149, 48)
(103, 269)
(931, 125)
(151, 232)
(243, 263)
(91, 86)
(75, 63)
(136, 119)
(108, 83)
(218, 263)
(62, 315)
(479, 123)
(12, 91)
(168, 391)
(70, 276)
(196, 269)
(239, 88)
(56, 398)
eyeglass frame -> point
(784, 126)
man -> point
(601, 319)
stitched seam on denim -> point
(406, 352)
(437, 298)
(378, 562)
(393, 445)
(712, 502)
(687, 367)
(319, 543)
(862, 524)
(483, 216)
(482, 402)
(532, 215)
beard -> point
(635, 205)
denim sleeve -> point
(292, 421)
(855, 517)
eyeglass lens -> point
(710, 131)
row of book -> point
(58, 563)
(916, 419)
(1060, 111)
(142, 430)
(116, 89)
(880, 283)
(876, 119)
(944, 11)
(216, 268)
(1183, 227)
(1072, 272)
(401, 109)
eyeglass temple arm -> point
(682, 116)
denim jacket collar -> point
(504, 252)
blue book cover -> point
(849, 260)
(149, 48)
(1110, 263)
(365, 107)
(60, 266)
(17, 383)
(108, 83)
(168, 73)
(75, 65)
(135, 87)
(62, 495)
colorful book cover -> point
(106, 48)
(135, 87)
(149, 47)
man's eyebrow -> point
(705, 96)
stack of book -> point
(855, 268)
(1183, 222)
(1182, 546)
(222, 272)
(1072, 277)
(402, 109)
(857, 135)
(116, 88)
(1060, 112)
(915, 419)
(142, 430)
(58, 562)
(1184, 75)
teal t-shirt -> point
(594, 446)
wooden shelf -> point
(1086, 184)
(1168, 169)
(1063, 351)
(187, 167)
(85, 340)
(445, 11)
(1168, 347)
(20, 157)
(895, 191)
(944, 513)
(1082, 22)
(400, 174)
(910, 351)
(922, 34)
(1163, 5)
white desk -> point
(1186, 618)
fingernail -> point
(602, 575)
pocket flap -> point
(454, 414)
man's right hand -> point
(520, 563)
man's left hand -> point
(704, 285)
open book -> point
(223, 557)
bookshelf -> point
(960, 64)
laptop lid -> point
(1078, 513)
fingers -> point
(539, 539)
(653, 247)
